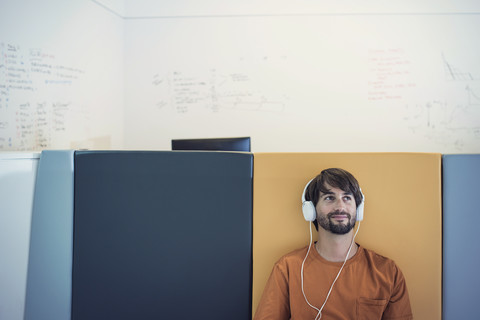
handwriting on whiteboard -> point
(389, 74)
(214, 91)
(34, 101)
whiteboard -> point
(330, 76)
(61, 76)
(321, 82)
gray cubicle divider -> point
(162, 235)
(461, 220)
(49, 276)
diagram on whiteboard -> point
(454, 73)
(473, 96)
(444, 123)
(451, 118)
(214, 91)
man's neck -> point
(334, 247)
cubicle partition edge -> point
(49, 277)
(461, 217)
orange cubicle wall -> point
(403, 217)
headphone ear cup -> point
(309, 212)
(360, 208)
(360, 211)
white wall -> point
(330, 77)
(61, 75)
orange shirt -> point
(370, 287)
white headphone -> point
(310, 214)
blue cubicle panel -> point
(49, 276)
(162, 235)
(461, 220)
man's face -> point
(336, 210)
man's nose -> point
(340, 205)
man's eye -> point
(348, 198)
(329, 198)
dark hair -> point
(337, 178)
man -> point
(335, 278)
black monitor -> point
(217, 144)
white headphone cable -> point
(301, 272)
(319, 314)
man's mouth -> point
(339, 215)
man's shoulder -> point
(294, 256)
(380, 261)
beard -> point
(327, 223)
